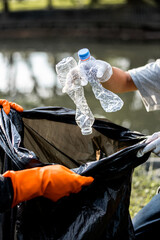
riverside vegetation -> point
(144, 187)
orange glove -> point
(53, 182)
(8, 105)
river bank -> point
(112, 23)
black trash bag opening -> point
(53, 135)
(99, 211)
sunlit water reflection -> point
(28, 76)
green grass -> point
(144, 187)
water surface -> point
(27, 70)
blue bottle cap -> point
(84, 54)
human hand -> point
(104, 70)
(153, 144)
(63, 182)
(53, 182)
(6, 105)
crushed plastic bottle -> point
(69, 77)
(109, 101)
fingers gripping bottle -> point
(69, 77)
(109, 101)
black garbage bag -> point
(50, 136)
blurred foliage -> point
(144, 187)
(14, 5)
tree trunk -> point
(49, 4)
(5, 6)
(94, 2)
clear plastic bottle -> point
(109, 101)
(67, 70)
